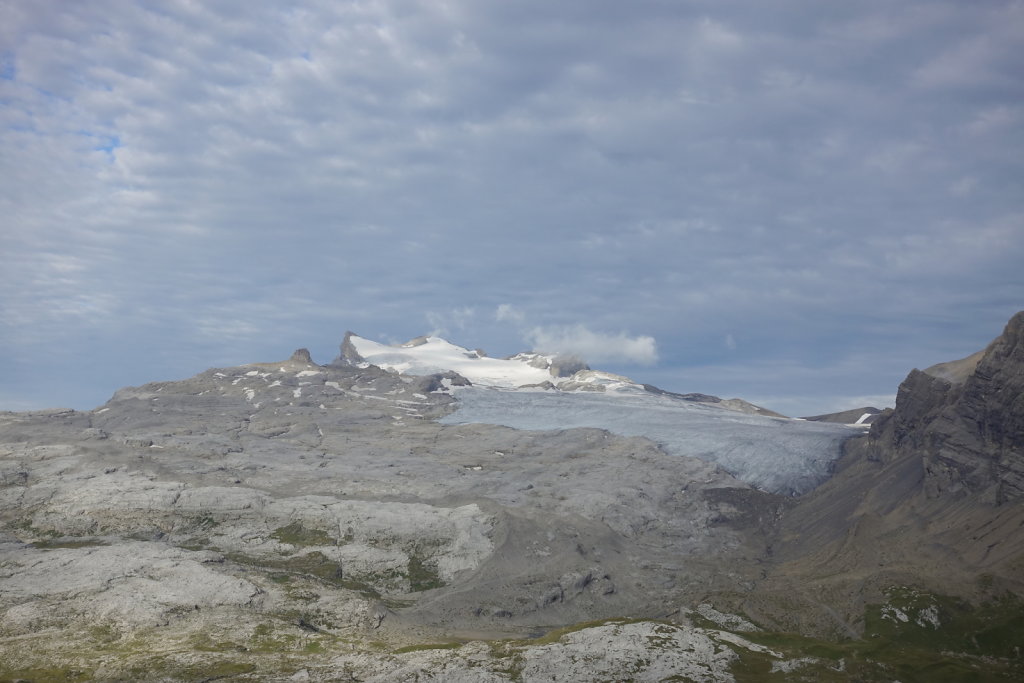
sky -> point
(792, 202)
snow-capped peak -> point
(429, 355)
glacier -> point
(774, 454)
(778, 455)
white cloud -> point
(508, 313)
(374, 161)
(963, 187)
(594, 347)
(715, 35)
(444, 323)
(996, 120)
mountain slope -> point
(931, 497)
(969, 433)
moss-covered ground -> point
(911, 637)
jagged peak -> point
(348, 354)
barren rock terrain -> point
(296, 521)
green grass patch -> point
(428, 646)
(298, 535)
(206, 522)
(422, 576)
(46, 674)
(207, 670)
(56, 543)
(104, 634)
(914, 618)
(23, 527)
(314, 565)
(913, 637)
(202, 642)
(292, 637)
(195, 544)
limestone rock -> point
(970, 434)
(935, 492)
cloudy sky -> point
(794, 202)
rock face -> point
(969, 433)
(933, 495)
(956, 371)
(348, 354)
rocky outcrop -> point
(969, 434)
(567, 366)
(348, 355)
(441, 381)
(932, 496)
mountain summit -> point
(531, 370)
(525, 371)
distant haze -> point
(793, 204)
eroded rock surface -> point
(276, 504)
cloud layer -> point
(832, 190)
(594, 347)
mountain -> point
(856, 416)
(931, 497)
(964, 421)
(294, 519)
(370, 519)
(543, 392)
(527, 370)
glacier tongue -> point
(777, 455)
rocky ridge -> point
(966, 421)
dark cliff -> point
(932, 496)
(969, 435)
